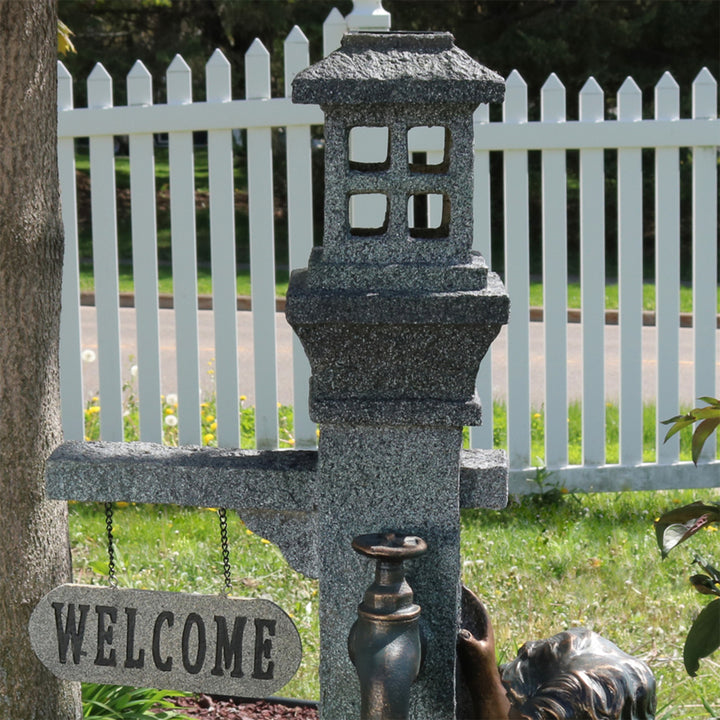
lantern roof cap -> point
(398, 68)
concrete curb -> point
(245, 303)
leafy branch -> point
(708, 418)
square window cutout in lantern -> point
(368, 213)
(429, 149)
(369, 148)
(429, 215)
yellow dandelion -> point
(121, 504)
(210, 418)
(265, 542)
(213, 426)
(537, 416)
(168, 411)
(243, 398)
(208, 438)
(248, 531)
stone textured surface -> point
(121, 642)
(275, 492)
(204, 477)
(397, 68)
(398, 81)
(389, 479)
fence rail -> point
(553, 135)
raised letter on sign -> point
(71, 632)
(105, 634)
(193, 619)
(263, 648)
(130, 661)
(229, 650)
(160, 664)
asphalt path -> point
(283, 334)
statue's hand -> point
(476, 651)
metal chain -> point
(222, 516)
(112, 579)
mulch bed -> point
(215, 708)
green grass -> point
(539, 566)
(547, 562)
(122, 166)
(611, 296)
(165, 280)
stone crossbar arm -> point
(272, 490)
(395, 320)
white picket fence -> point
(514, 136)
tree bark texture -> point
(34, 544)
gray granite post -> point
(395, 320)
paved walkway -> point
(284, 336)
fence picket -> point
(334, 28)
(667, 269)
(184, 258)
(262, 252)
(630, 281)
(145, 261)
(554, 232)
(482, 436)
(592, 261)
(300, 228)
(553, 135)
(224, 264)
(517, 278)
(105, 261)
(71, 387)
(704, 212)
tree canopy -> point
(608, 39)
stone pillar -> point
(395, 321)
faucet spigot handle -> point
(389, 546)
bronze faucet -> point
(384, 643)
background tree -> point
(34, 554)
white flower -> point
(88, 355)
(171, 420)
(172, 399)
(134, 370)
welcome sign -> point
(198, 643)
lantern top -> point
(398, 67)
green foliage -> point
(111, 702)
(672, 529)
(708, 418)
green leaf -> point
(678, 426)
(701, 434)
(672, 536)
(710, 401)
(678, 525)
(101, 567)
(703, 638)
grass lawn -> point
(540, 566)
(122, 166)
(549, 561)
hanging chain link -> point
(112, 579)
(222, 516)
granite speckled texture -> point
(398, 81)
(395, 321)
(172, 640)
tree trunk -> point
(34, 544)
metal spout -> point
(384, 643)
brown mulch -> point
(213, 708)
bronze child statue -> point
(575, 674)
